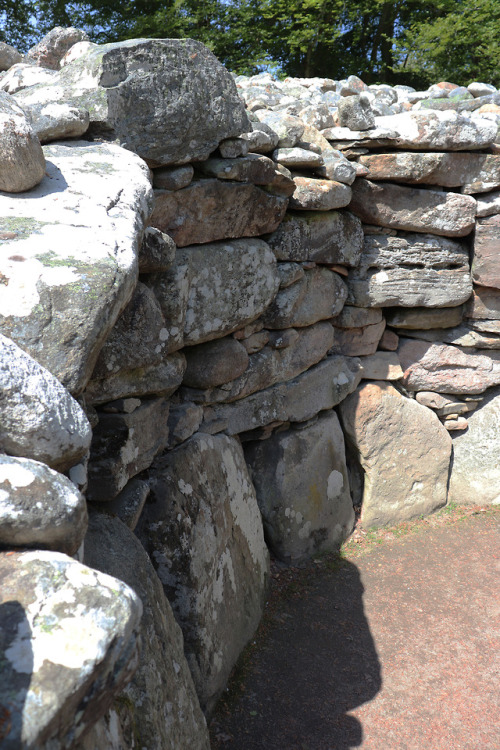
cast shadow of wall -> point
(16, 669)
(316, 662)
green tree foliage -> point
(403, 41)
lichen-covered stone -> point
(69, 645)
(69, 265)
(319, 195)
(21, 155)
(204, 535)
(157, 251)
(39, 508)
(49, 52)
(302, 487)
(214, 363)
(38, 417)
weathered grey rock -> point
(388, 205)
(354, 112)
(173, 178)
(424, 317)
(403, 449)
(282, 184)
(333, 237)
(201, 109)
(319, 388)
(302, 487)
(486, 261)
(76, 50)
(211, 209)
(317, 115)
(357, 342)
(319, 195)
(259, 170)
(70, 263)
(357, 317)
(70, 644)
(158, 709)
(49, 52)
(204, 535)
(484, 304)
(381, 366)
(289, 273)
(320, 294)
(22, 75)
(262, 139)
(410, 270)
(297, 158)
(38, 417)
(475, 474)
(39, 508)
(421, 131)
(447, 369)
(475, 173)
(353, 85)
(483, 336)
(52, 122)
(23, 162)
(288, 128)
(232, 148)
(128, 504)
(337, 167)
(161, 379)
(214, 363)
(488, 204)
(183, 421)
(9, 56)
(125, 444)
(477, 88)
(276, 363)
(215, 289)
(157, 251)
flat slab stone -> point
(424, 317)
(319, 388)
(319, 195)
(398, 207)
(475, 173)
(70, 639)
(302, 487)
(484, 304)
(403, 449)
(475, 473)
(123, 86)
(39, 508)
(69, 255)
(211, 209)
(410, 270)
(486, 260)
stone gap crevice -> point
(227, 322)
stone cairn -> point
(207, 283)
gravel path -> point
(393, 649)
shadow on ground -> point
(318, 642)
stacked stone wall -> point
(233, 313)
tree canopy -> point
(416, 42)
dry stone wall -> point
(232, 310)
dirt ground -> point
(393, 647)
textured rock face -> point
(319, 195)
(162, 682)
(388, 205)
(23, 162)
(49, 52)
(215, 363)
(8, 56)
(39, 508)
(333, 237)
(302, 488)
(475, 473)
(410, 270)
(320, 388)
(475, 173)
(403, 449)
(201, 107)
(215, 289)
(38, 417)
(210, 210)
(447, 369)
(69, 265)
(486, 264)
(204, 534)
(52, 122)
(70, 640)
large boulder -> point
(404, 452)
(302, 487)
(69, 262)
(410, 270)
(38, 417)
(204, 533)
(49, 52)
(8, 56)
(21, 155)
(69, 645)
(215, 289)
(173, 718)
(475, 472)
(174, 90)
